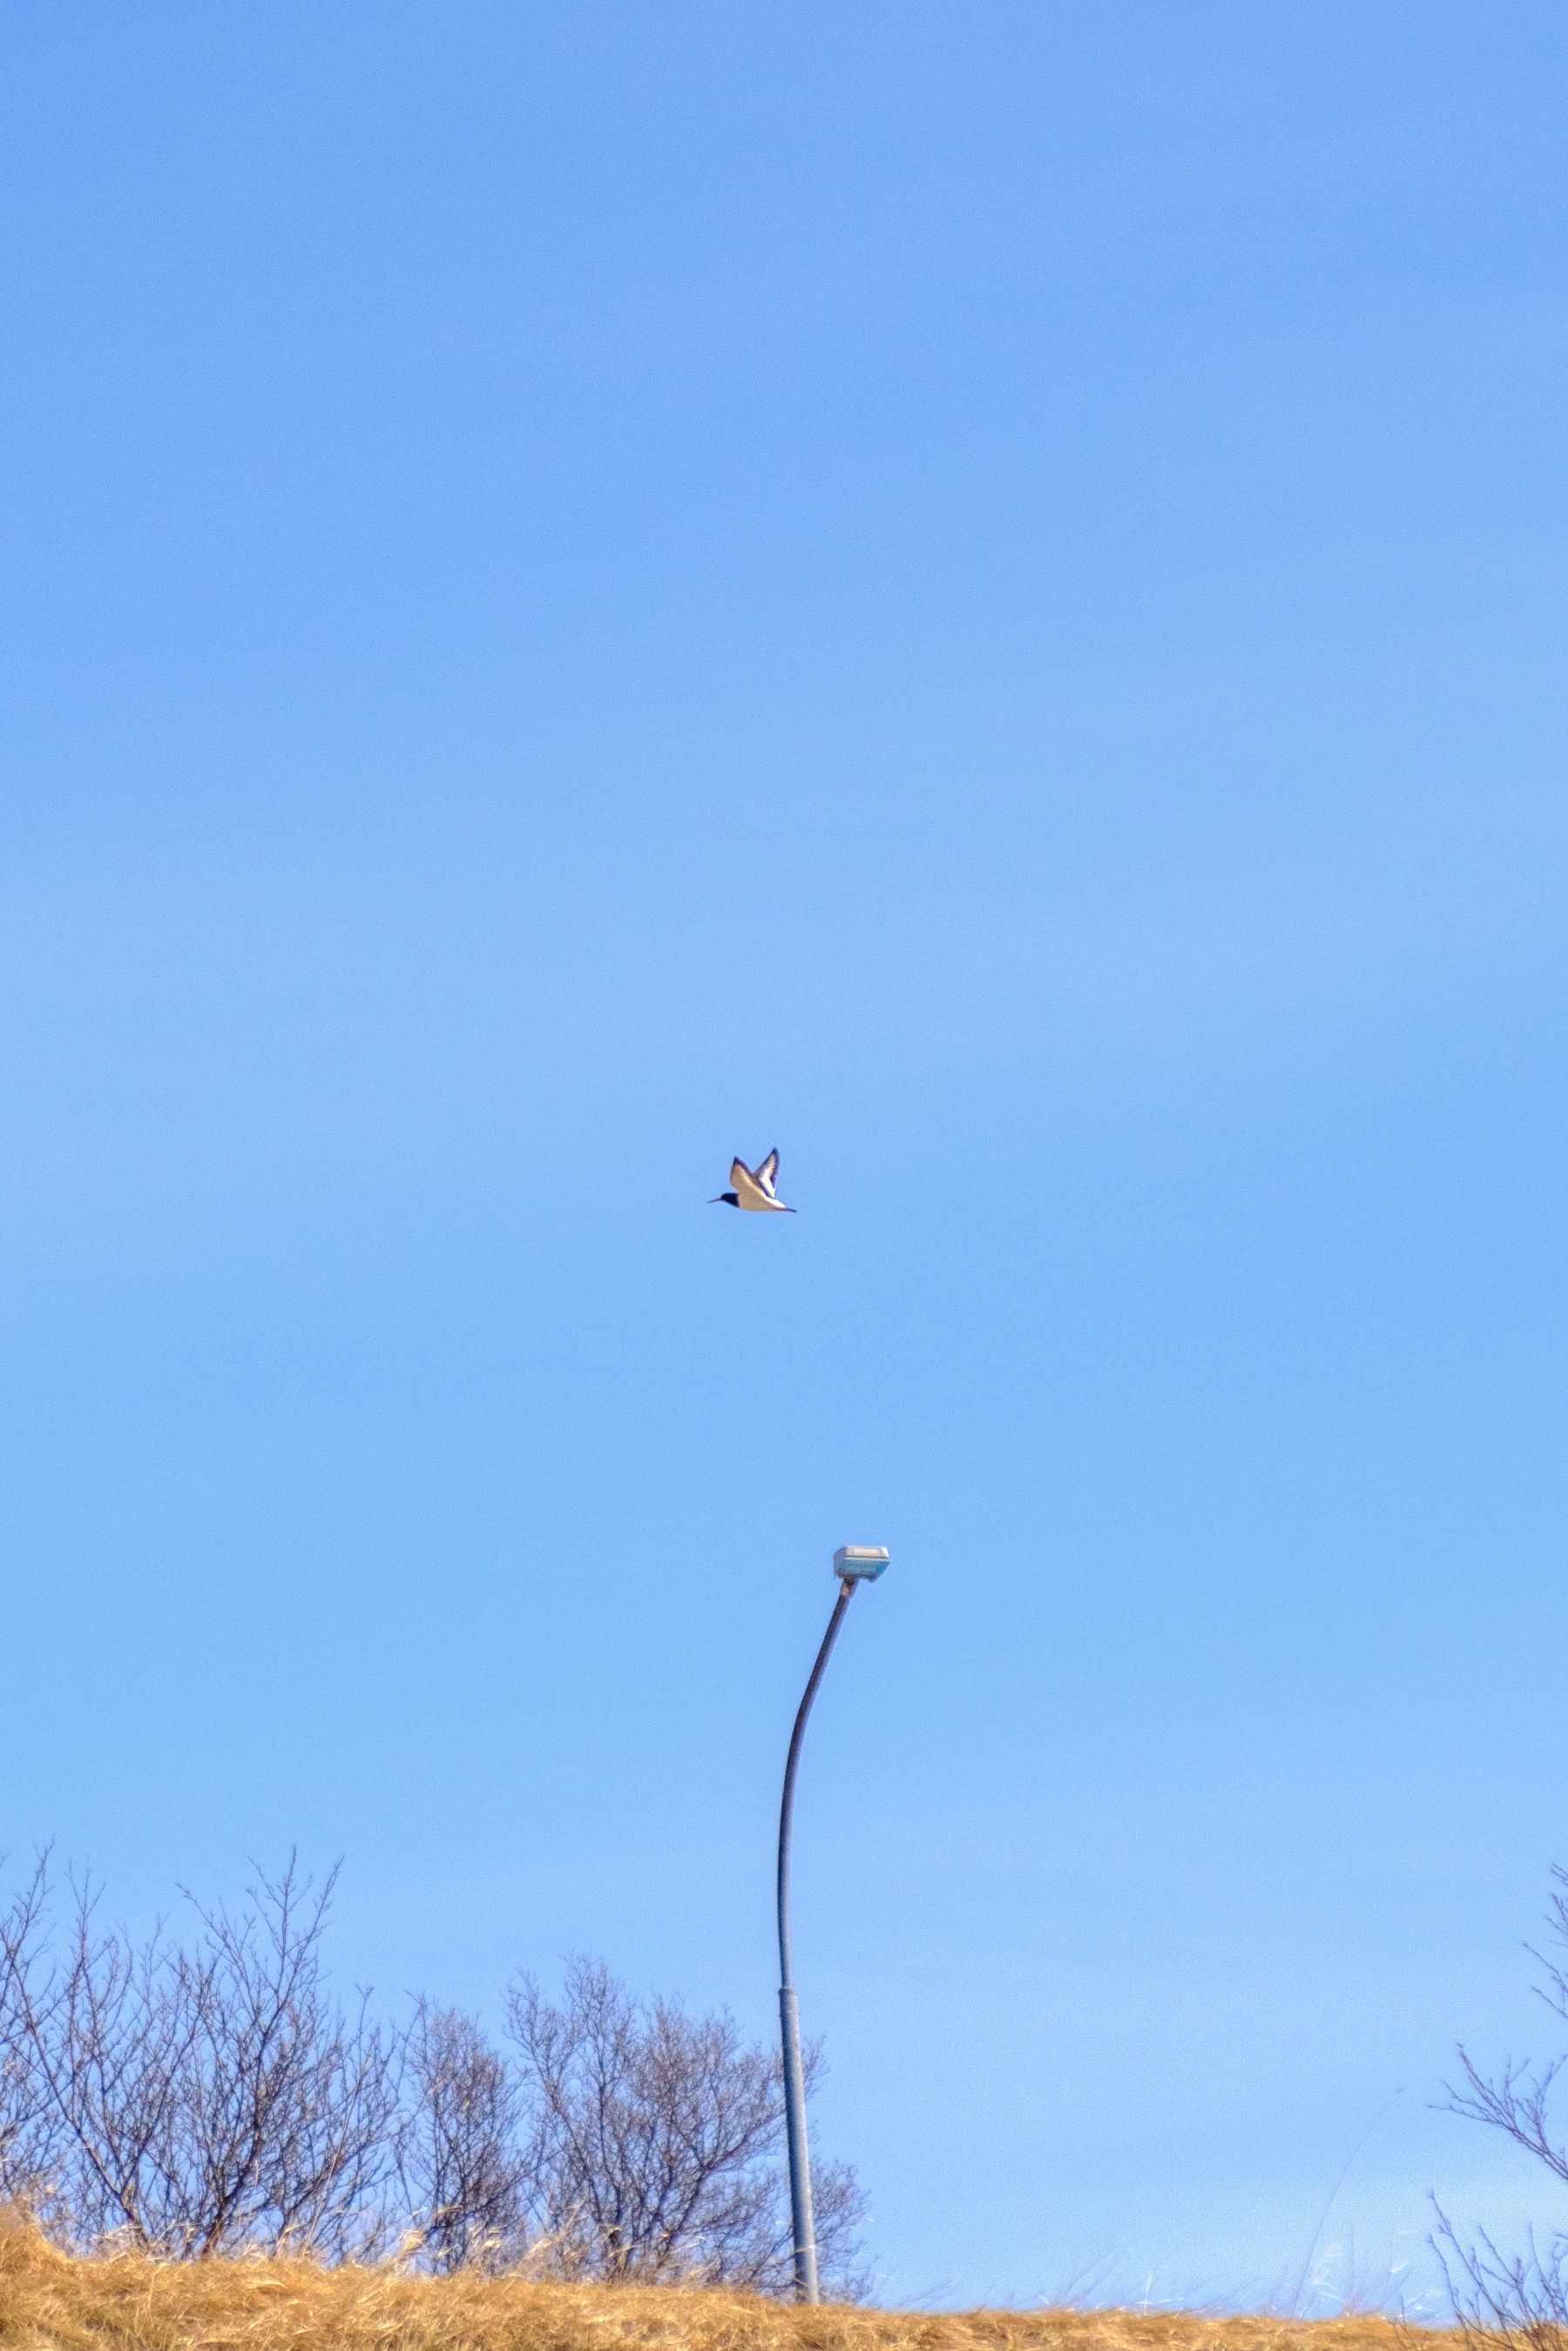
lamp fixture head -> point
(859, 1562)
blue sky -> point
(977, 594)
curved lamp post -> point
(853, 1563)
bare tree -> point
(31, 2132)
(202, 2095)
(1516, 2300)
(207, 2096)
(658, 2136)
(466, 2161)
(1505, 2302)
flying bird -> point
(753, 1186)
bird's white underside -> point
(753, 1187)
(749, 1194)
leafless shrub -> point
(30, 2128)
(1505, 2302)
(466, 2157)
(657, 2141)
(1515, 2299)
(196, 2098)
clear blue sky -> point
(977, 593)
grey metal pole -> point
(805, 2229)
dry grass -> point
(50, 2302)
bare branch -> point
(1514, 2302)
(206, 2096)
(198, 2095)
(465, 2162)
(659, 2136)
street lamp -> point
(853, 1563)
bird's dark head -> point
(724, 1199)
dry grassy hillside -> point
(49, 2302)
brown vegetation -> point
(52, 2301)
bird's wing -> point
(768, 1172)
(740, 1173)
(747, 1189)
